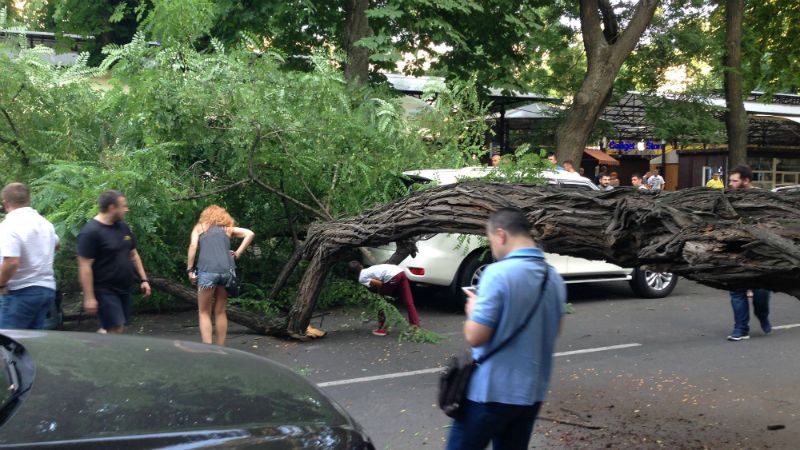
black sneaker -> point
(736, 336)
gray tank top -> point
(215, 251)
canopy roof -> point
(500, 98)
(776, 123)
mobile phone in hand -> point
(470, 289)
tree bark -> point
(723, 239)
(736, 117)
(356, 68)
(253, 321)
(606, 50)
(286, 272)
(404, 250)
(310, 287)
(727, 239)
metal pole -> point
(664, 163)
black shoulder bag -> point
(232, 285)
(454, 382)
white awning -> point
(776, 117)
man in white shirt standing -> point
(386, 279)
(27, 247)
(656, 181)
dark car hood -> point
(94, 387)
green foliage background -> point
(177, 129)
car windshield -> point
(87, 385)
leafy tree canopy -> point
(177, 129)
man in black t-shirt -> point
(108, 264)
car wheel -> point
(650, 284)
(471, 270)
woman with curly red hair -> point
(216, 266)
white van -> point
(455, 260)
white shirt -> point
(655, 182)
(382, 272)
(26, 235)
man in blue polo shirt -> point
(507, 390)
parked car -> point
(87, 391)
(455, 260)
(784, 189)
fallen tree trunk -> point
(256, 322)
(724, 239)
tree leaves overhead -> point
(177, 129)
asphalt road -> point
(629, 373)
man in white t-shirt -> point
(386, 279)
(656, 181)
(27, 247)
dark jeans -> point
(507, 427)
(399, 286)
(741, 309)
(26, 308)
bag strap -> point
(524, 323)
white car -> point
(456, 260)
(785, 189)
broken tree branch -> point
(751, 242)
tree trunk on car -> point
(721, 238)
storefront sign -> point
(634, 146)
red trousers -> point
(399, 286)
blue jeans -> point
(741, 309)
(26, 308)
(507, 427)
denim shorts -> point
(210, 280)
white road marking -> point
(598, 349)
(439, 369)
(380, 377)
(786, 327)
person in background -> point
(656, 181)
(386, 279)
(108, 264)
(603, 170)
(216, 266)
(740, 177)
(614, 179)
(715, 182)
(506, 391)
(636, 181)
(496, 159)
(569, 166)
(605, 183)
(551, 158)
(28, 243)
